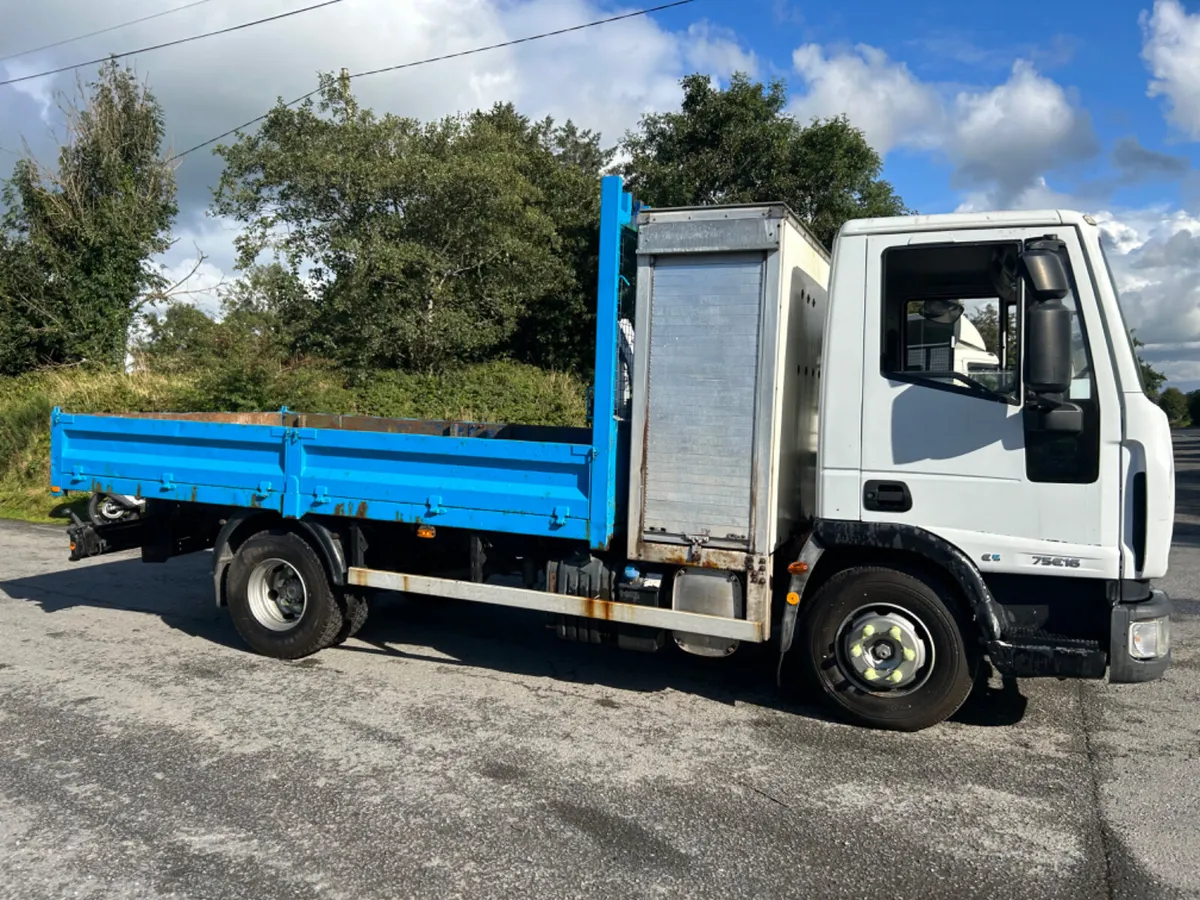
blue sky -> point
(1089, 105)
(1093, 50)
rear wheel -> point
(280, 598)
(354, 609)
(888, 648)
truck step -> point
(1036, 637)
(1033, 653)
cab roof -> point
(1023, 218)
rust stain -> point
(595, 608)
(682, 558)
(138, 492)
(340, 509)
(361, 512)
(194, 489)
(358, 577)
(255, 501)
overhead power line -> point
(175, 43)
(157, 15)
(443, 58)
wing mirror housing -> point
(1048, 340)
(1047, 320)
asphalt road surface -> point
(461, 751)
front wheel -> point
(888, 648)
(280, 598)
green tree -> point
(179, 338)
(427, 243)
(1152, 379)
(272, 304)
(987, 321)
(1174, 404)
(1193, 407)
(739, 145)
(564, 164)
(76, 241)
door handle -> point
(887, 496)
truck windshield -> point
(1124, 324)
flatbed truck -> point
(767, 461)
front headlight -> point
(1150, 638)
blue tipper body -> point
(563, 490)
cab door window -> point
(952, 318)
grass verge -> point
(489, 392)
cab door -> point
(947, 442)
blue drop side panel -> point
(520, 487)
(616, 211)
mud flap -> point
(803, 568)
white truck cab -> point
(1053, 480)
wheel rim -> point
(277, 595)
(885, 649)
(111, 510)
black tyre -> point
(354, 611)
(888, 648)
(280, 598)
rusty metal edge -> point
(586, 607)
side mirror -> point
(1048, 348)
(1045, 274)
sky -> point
(1081, 105)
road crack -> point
(1093, 765)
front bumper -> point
(1028, 653)
(1123, 667)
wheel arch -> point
(245, 523)
(835, 546)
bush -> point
(489, 392)
(1193, 407)
(1174, 404)
(25, 406)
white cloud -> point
(1000, 140)
(881, 97)
(1013, 134)
(603, 77)
(716, 51)
(1171, 51)
(197, 281)
(1038, 195)
(38, 90)
(1155, 256)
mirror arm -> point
(1047, 402)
